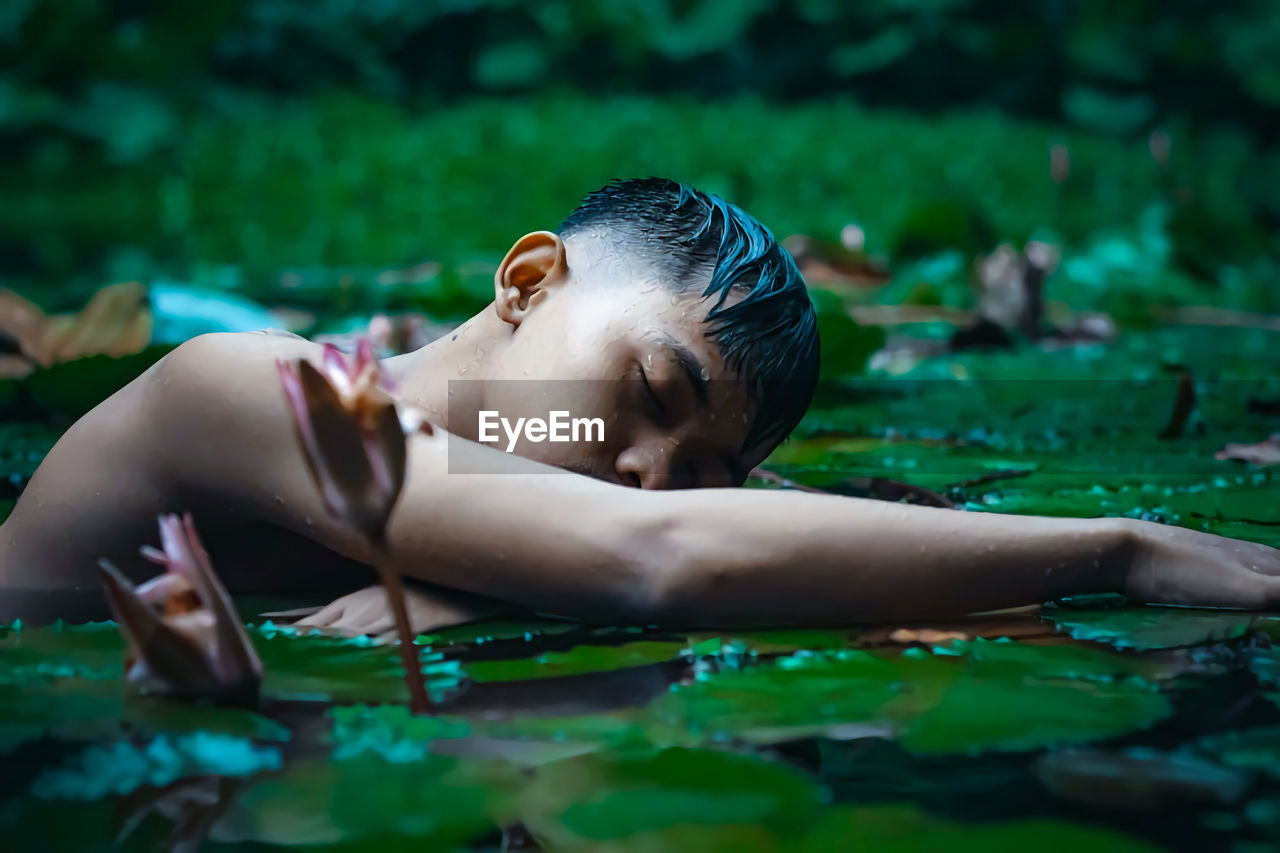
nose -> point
(645, 466)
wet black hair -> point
(769, 337)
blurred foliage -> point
(330, 139)
(310, 203)
(1086, 61)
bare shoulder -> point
(211, 355)
(194, 432)
(197, 388)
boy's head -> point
(691, 323)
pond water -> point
(1080, 724)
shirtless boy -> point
(701, 342)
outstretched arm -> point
(558, 542)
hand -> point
(1171, 565)
(366, 612)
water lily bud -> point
(184, 635)
(351, 436)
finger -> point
(372, 623)
(326, 616)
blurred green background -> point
(294, 149)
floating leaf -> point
(370, 803)
(614, 798)
(68, 682)
(577, 661)
(1145, 628)
(72, 388)
(492, 631)
(979, 695)
(892, 828)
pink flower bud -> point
(351, 435)
(183, 632)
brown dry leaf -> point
(1261, 454)
(22, 322)
(115, 322)
(928, 636)
(15, 366)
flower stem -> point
(419, 702)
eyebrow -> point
(691, 368)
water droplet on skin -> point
(706, 375)
(279, 500)
(309, 522)
(648, 360)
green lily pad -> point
(73, 388)
(68, 682)
(368, 802)
(1145, 628)
(968, 698)
(579, 660)
(904, 828)
(614, 798)
(480, 633)
(322, 668)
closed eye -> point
(653, 403)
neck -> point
(428, 378)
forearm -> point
(756, 557)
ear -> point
(535, 263)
